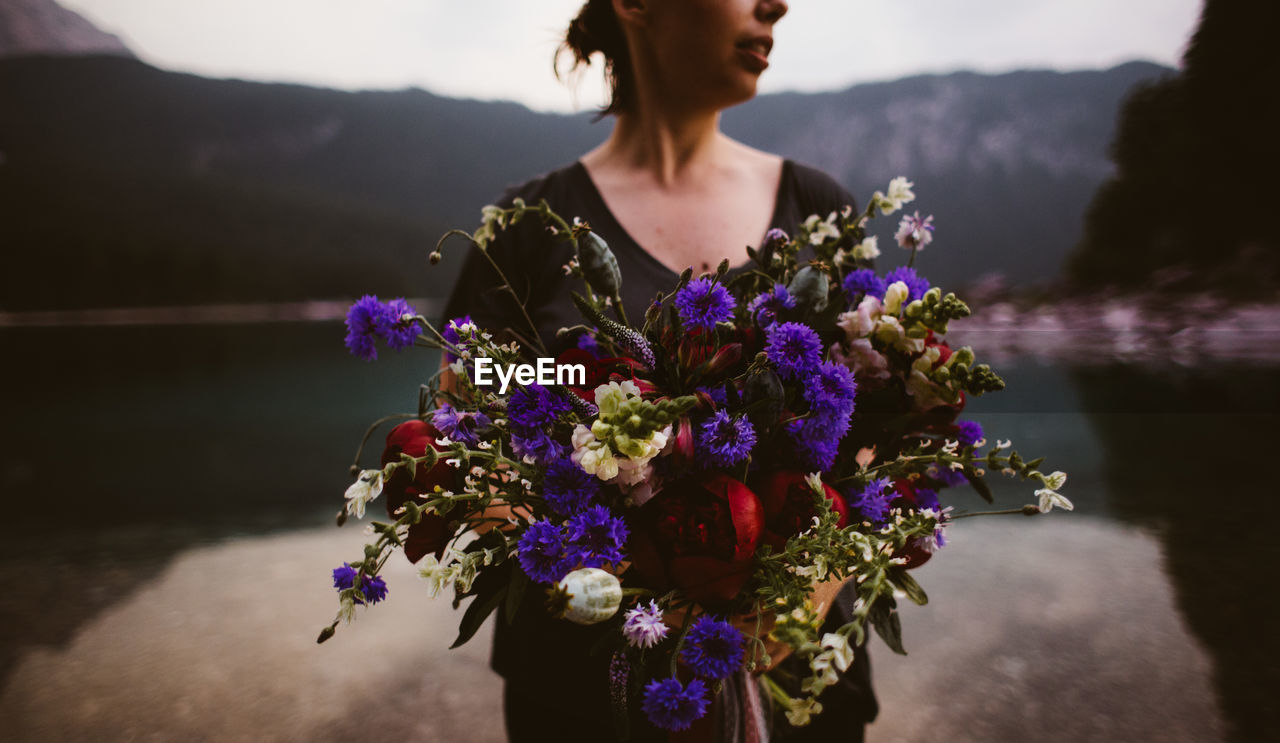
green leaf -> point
(885, 620)
(979, 484)
(902, 579)
(477, 612)
(515, 593)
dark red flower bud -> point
(433, 532)
(683, 453)
(725, 358)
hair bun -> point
(596, 29)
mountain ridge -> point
(109, 157)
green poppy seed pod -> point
(810, 287)
(592, 595)
(765, 385)
(599, 266)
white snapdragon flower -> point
(610, 397)
(889, 330)
(867, 250)
(592, 455)
(895, 296)
(821, 230)
(860, 322)
(1050, 498)
(435, 574)
(366, 488)
(841, 652)
(799, 711)
(900, 191)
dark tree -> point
(1198, 164)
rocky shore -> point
(1108, 328)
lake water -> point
(168, 539)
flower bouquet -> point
(692, 479)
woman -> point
(666, 190)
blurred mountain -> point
(1197, 158)
(1005, 163)
(121, 184)
(44, 27)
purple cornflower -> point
(969, 433)
(816, 444)
(914, 232)
(864, 281)
(587, 342)
(917, 285)
(793, 348)
(535, 407)
(363, 322)
(567, 488)
(775, 235)
(450, 333)
(765, 307)
(726, 439)
(715, 392)
(538, 444)
(542, 553)
(946, 475)
(872, 502)
(369, 319)
(670, 706)
(595, 537)
(713, 648)
(702, 303)
(831, 390)
(372, 589)
(644, 627)
(399, 333)
(927, 498)
(459, 425)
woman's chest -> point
(697, 227)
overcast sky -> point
(493, 49)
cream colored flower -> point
(867, 250)
(895, 296)
(366, 488)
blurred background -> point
(191, 194)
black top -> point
(553, 678)
(534, 261)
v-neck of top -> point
(615, 227)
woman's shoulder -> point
(815, 192)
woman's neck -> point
(666, 145)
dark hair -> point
(596, 29)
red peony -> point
(433, 532)
(699, 535)
(788, 506)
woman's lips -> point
(754, 53)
